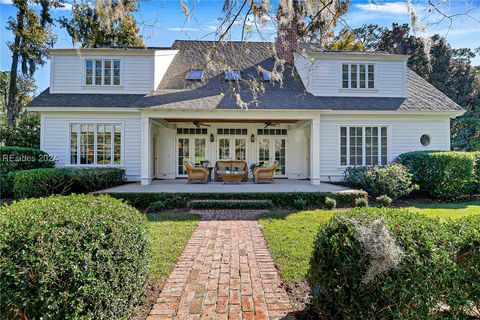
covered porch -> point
(180, 186)
(169, 138)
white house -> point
(149, 109)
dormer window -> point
(358, 76)
(195, 74)
(102, 72)
(232, 75)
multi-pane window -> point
(102, 72)
(95, 144)
(363, 146)
(358, 76)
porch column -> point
(315, 150)
(146, 151)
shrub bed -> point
(444, 175)
(278, 199)
(392, 180)
(44, 182)
(73, 257)
(14, 159)
(230, 204)
(394, 264)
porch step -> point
(230, 204)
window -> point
(363, 146)
(95, 144)
(232, 131)
(272, 132)
(195, 74)
(102, 72)
(232, 75)
(358, 76)
(191, 130)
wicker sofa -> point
(230, 165)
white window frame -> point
(95, 123)
(192, 138)
(363, 125)
(366, 64)
(103, 59)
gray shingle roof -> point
(175, 92)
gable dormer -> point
(352, 74)
(108, 70)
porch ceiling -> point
(173, 120)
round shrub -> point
(393, 180)
(361, 202)
(375, 263)
(445, 175)
(72, 257)
(384, 201)
(330, 203)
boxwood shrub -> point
(445, 175)
(377, 263)
(230, 204)
(340, 262)
(44, 182)
(392, 180)
(72, 257)
(13, 159)
(278, 199)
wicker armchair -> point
(265, 174)
(196, 174)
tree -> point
(25, 134)
(346, 40)
(25, 87)
(104, 23)
(29, 47)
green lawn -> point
(168, 234)
(290, 236)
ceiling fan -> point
(198, 124)
(270, 124)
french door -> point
(193, 149)
(273, 149)
(232, 148)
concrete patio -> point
(180, 185)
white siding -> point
(140, 74)
(166, 153)
(324, 77)
(55, 137)
(298, 154)
(404, 136)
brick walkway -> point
(225, 272)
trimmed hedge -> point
(392, 180)
(73, 257)
(278, 199)
(14, 159)
(395, 264)
(444, 175)
(226, 204)
(44, 182)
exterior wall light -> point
(212, 138)
(252, 138)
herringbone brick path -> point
(225, 272)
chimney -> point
(287, 23)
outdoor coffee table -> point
(231, 177)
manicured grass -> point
(168, 234)
(290, 236)
(448, 210)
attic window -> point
(232, 75)
(194, 74)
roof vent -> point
(232, 75)
(194, 74)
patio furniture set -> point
(229, 171)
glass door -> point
(273, 149)
(192, 149)
(232, 148)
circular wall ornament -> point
(425, 140)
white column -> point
(315, 150)
(146, 151)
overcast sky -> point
(162, 21)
